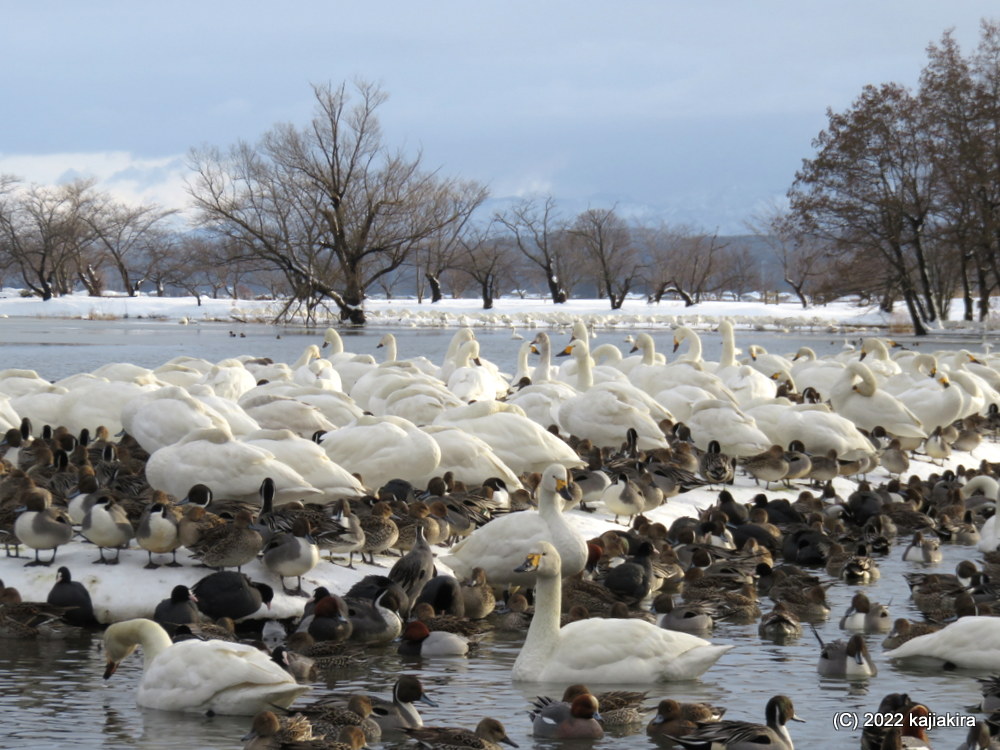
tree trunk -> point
(435, 284)
(556, 291)
(487, 291)
(914, 309)
(797, 288)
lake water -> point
(52, 692)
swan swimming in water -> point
(204, 676)
(600, 650)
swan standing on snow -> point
(233, 469)
(500, 546)
(600, 650)
(869, 407)
(201, 676)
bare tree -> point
(803, 258)
(328, 204)
(684, 262)
(607, 245)
(488, 258)
(122, 232)
(535, 228)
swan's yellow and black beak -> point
(110, 668)
(863, 355)
(566, 352)
(530, 564)
(677, 344)
(562, 488)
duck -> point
(74, 597)
(487, 736)
(716, 466)
(328, 716)
(669, 721)
(199, 676)
(377, 620)
(780, 624)
(923, 549)
(292, 553)
(40, 526)
(419, 640)
(159, 533)
(577, 720)
(619, 708)
(848, 659)
(599, 650)
(231, 594)
(866, 617)
(268, 731)
(745, 735)
(500, 546)
(181, 608)
(968, 643)
(230, 546)
(622, 498)
(399, 713)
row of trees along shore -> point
(899, 205)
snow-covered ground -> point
(508, 311)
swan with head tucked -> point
(499, 546)
(162, 417)
(233, 469)
(470, 381)
(383, 448)
(600, 650)
(967, 643)
(203, 676)
(309, 460)
(520, 443)
(722, 421)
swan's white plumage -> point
(602, 651)
(384, 448)
(200, 676)
(968, 643)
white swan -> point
(383, 448)
(967, 643)
(500, 546)
(722, 421)
(600, 650)
(868, 407)
(162, 417)
(810, 372)
(523, 445)
(99, 402)
(469, 459)
(232, 469)
(337, 407)
(470, 381)
(818, 428)
(745, 382)
(240, 423)
(881, 364)
(229, 379)
(309, 460)
(604, 412)
(200, 676)
(276, 412)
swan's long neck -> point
(694, 345)
(584, 367)
(868, 383)
(648, 347)
(307, 356)
(543, 632)
(146, 633)
(543, 371)
(728, 356)
(523, 369)
(389, 344)
(333, 340)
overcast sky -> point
(697, 112)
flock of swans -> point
(336, 424)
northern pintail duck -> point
(463, 626)
(745, 735)
(487, 736)
(292, 553)
(865, 616)
(904, 630)
(74, 597)
(179, 609)
(375, 620)
(848, 659)
(343, 535)
(42, 527)
(669, 721)
(380, 532)
(623, 498)
(780, 624)
(923, 549)
(477, 595)
(576, 720)
(689, 617)
(268, 731)
(231, 594)
(230, 546)
(159, 533)
(414, 569)
(770, 466)
(716, 466)
(327, 716)
(399, 713)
